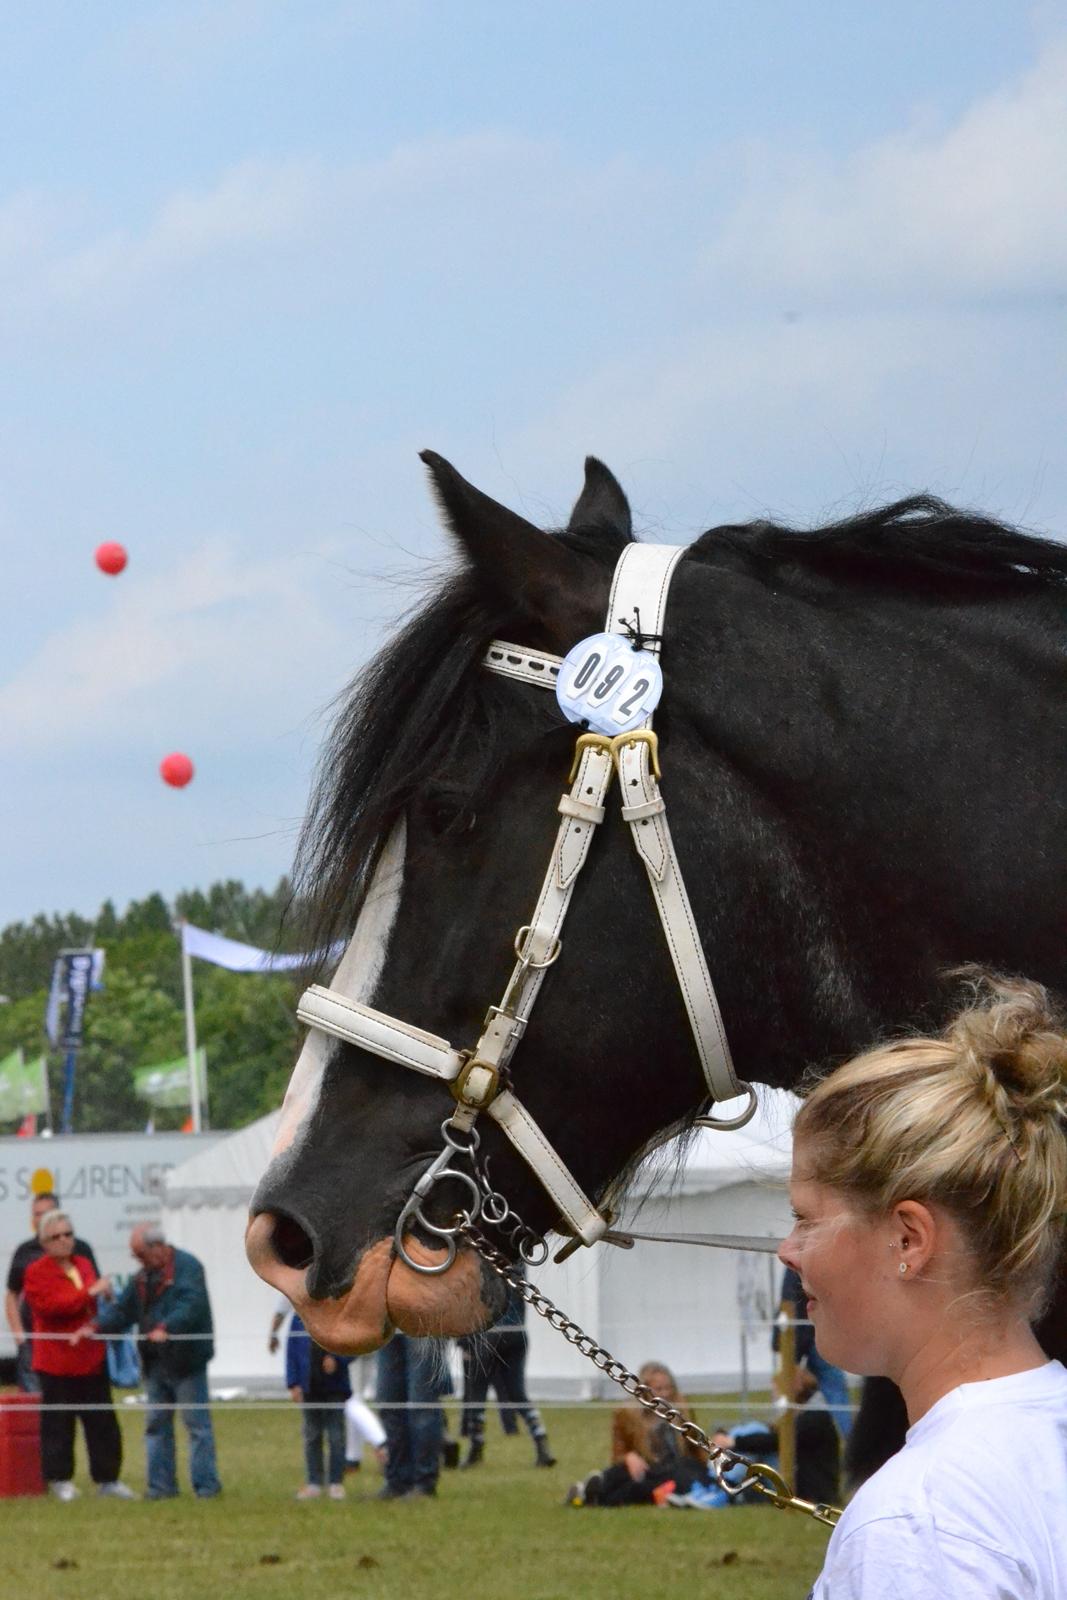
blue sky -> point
(760, 257)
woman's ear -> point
(916, 1232)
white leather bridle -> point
(478, 1078)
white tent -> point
(702, 1311)
(675, 1303)
(205, 1210)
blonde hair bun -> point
(1016, 1041)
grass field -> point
(498, 1530)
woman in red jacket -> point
(59, 1289)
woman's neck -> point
(949, 1357)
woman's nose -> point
(787, 1252)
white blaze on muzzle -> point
(478, 1078)
(358, 972)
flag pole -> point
(190, 1029)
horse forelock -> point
(420, 711)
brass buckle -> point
(638, 736)
(483, 1091)
(589, 741)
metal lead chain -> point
(757, 1475)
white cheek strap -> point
(477, 1078)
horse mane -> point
(918, 543)
(409, 714)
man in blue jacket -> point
(166, 1299)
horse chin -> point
(386, 1295)
(444, 1306)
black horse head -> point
(862, 762)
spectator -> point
(169, 1297)
(831, 1381)
(318, 1381)
(818, 1455)
(649, 1458)
(58, 1287)
(19, 1318)
(411, 1380)
(498, 1358)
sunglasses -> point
(67, 1234)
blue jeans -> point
(412, 1370)
(322, 1422)
(833, 1385)
(189, 1394)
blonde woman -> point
(930, 1193)
(649, 1459)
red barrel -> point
(20, 1444)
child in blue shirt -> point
(319, 1382)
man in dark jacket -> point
(168, 1303)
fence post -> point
(787, 1374)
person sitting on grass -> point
(818, 1454)
(650, 1459)
(318, 1382)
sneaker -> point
(586, 1493)
(421, 1491)
(450, 1453)
(353, 1466)
(310, 1491)
(336, 1491)
(389, 1491)
(116, 1490)
(64, 1490)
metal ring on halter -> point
(533, 1251)
(437, 1170)
(465, 1217)
(724, 1124)
(495, 1208)
(520, 941)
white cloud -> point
(214, 648)
(977, 209)
(473, 195)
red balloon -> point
(111, 558)
(176, 769)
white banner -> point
(237, 957)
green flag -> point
(168, 1084)
(10, 1078)
(23, 1086)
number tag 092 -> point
(608, 684)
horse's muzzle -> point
(385, 1294)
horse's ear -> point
(528, 570)
(602, 503)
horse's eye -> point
(449, 814)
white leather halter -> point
(478, 1078)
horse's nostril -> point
(291, 1243)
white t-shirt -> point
(974, 1507)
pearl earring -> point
(903, 1266)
